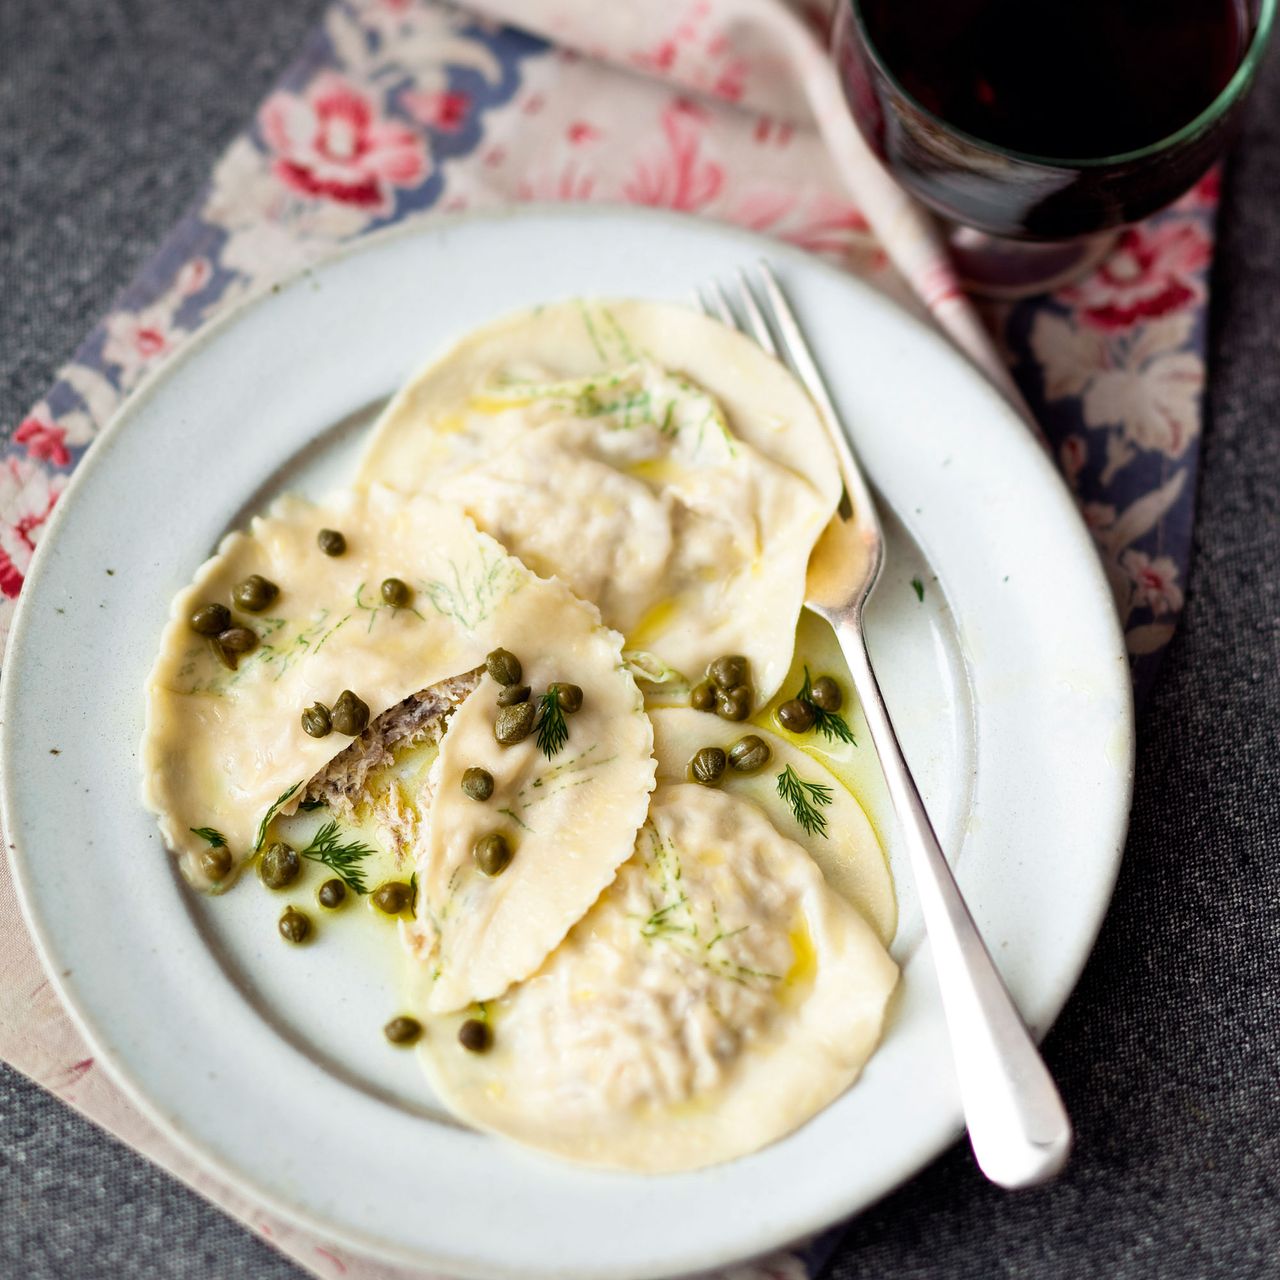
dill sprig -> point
(281, 801)
(211, 834)
(342, 859)
(806, 800)
(831, 724)
(550, 727)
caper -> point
(216, 863)
(238, 640)
(280, 865)
(826, 694)
(504, 666)
(707, 766)
(702, 697)
(255, 593)
(331, 542)
(728, 672)
(796, 715)
(513, 693)
(733, 704)
(316, 720)
(396, 593)
(294, 925)
(475, 1036)
(514, 724)
(492, 854)
(332, 894)
(478, 783)
(569, 696)
(392, 898)
(209, 619)
(749, 754)
(402, 1030)
(350, 715)
(224, 655)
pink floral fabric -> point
(721, 108)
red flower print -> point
(1149, 273)
(193, 276)
(43, 439)
(444, 110)
(580, 131)
(1073, 453)
(27, 496)
(136, 338)
(681, 178)
(1155, 582)
(332, 145)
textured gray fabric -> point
(111, 112)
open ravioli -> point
(563, 818)
(658, 462)
(224, 750)
(716, 996)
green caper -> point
(224, 655)
(332, 894)
(707, 766)
(733, 704)
(294, 925)
(478, 783)
(702, 697)
(796, 715)
(504, 666)
(492, 854)
(238, 640)
(512, 694)
(728, 672)
(350, 715)
(209, 619)
(826, 694)
(514, 724)
(569, 696)
(475, 1036)
(331, 542)
(392, 897)
(280, 865)
(216, 863)
(255, 593)
(396, 593)
(749, 754)
(316, 720)
(402, 1030)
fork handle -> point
(1018, 1126)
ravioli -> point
(658, 462)
(224, 750)
(717, 996)
(569, 820)
(846, 849)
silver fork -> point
(1019, 1129)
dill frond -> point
(342, 859)
(806, 799)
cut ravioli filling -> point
(224, 751)
(716, 996)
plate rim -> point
(1018, 436)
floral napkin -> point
(396, 108)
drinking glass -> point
(1019, 222)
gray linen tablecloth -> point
(111, 112)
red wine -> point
(1080, 94)
(1079, 79)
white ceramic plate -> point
(1009, 686)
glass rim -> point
(1223, 100)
